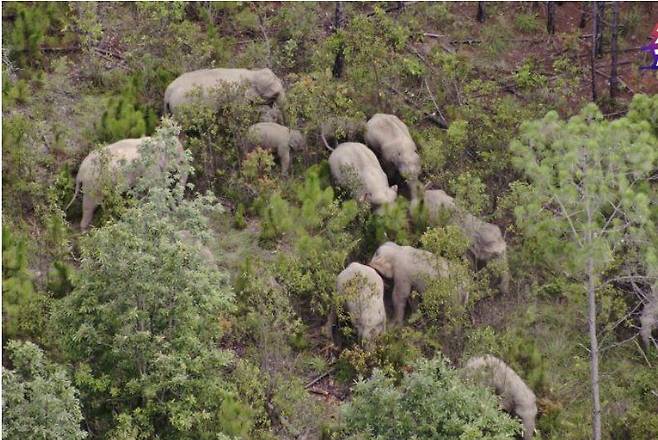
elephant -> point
(338, 129)
(517, 397)
(270, 113)
(649, 317)
(355, 167)
(120, 157)
(262, 85)
(389, 137)
(363, 291)
(486, 242)
(274, 137)
(410, 269)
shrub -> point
(321, 232)
(214, 135)
(24, 310)
(144, 320)
(431, 402)
(38, 399)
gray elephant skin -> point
(276, 138)
(410, 269)
(363, 290)
(389, 137)
(356, 168)
(486, 242)
(119, 156)
(269, 113)
(516, 397)
(338, 129)
(262, 85)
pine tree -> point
(587, 190)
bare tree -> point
(593, 52)
(550, 17)
(339, 23)
(481, 15)
(583, 16)
(614, 79)
(598, 14)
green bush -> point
(431, 402)
(38, 399)
(321, 231)
(24, 310)
(214, 135)
(144, 320)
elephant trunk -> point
(281, 103)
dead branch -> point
(621, 81)
(319, 378)
(429, 116)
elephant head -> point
(297, 141)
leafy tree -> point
(589, 193)
(143, 323)
(38, 399)
(22, 306)
(431, 402)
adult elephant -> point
(120, 164)
(262, 86)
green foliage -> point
(318, 229)
(38, 399)
(120, 121)
(389, 223)
(448, 242)
(144, 320)
(527, 23)
(470, 193)
(393, 353)
(214, 133)
(587, 163)
(24, 310)
(527, 78)
(431, 402)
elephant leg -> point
(89, 205)
(327, 328)
(284, 156)
(401, 293)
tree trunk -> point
(583, 17)
(339, 22)
(599, 12)
(481, 14)
(593, 51)
(614, 80)
(594, 352)
(550, 17)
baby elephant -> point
(517, 397)
(363, 290)
(410, 268)
(274, 137)
(356, 168)
(389, 137)
(486, 240)
(120, 169)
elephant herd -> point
(360, 169)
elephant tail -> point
(326, 144)
(75, 194)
